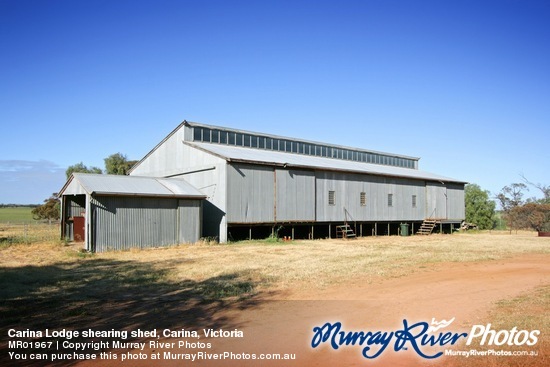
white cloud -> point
(29, 182)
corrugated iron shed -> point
(111, 212)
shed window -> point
(332, 198)
(197, 134)
(246, 139)
(206, 135)
(363, 199)
(390, 199)
(215, 136)
(414, 201)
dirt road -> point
(283, 323)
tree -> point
(479, 208)
(50, 210)
(80, 167)
(511, 196)
(545, 189)
(532, 215)
(118, 164)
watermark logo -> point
(512, 337)
(420, 337)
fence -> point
(26, 233)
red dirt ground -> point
(284, 323)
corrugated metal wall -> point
(75, 205)
(189, 218)
(455, 202)
(121, 223)
(348, 187)
(295, 196)
(303, 196)
(250, 194)
(436, 200)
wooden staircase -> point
(345, 231)
(427, 226)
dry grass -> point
(50, 284)
(299, 264)
(28, 233)
(316, 264)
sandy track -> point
(283, 323)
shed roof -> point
(268, 157)
(132, 186)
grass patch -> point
(226, 286)
(19, 214)
(17, 234)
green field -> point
(20, 214)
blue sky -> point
(465, 85)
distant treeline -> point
(19, 205)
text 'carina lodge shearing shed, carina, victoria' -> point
(228, 184)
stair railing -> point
(346, 213)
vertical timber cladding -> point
(250, 194)
(295, 196)
(139, 222)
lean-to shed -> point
(111, 212)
